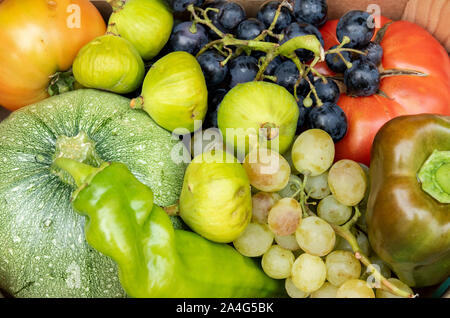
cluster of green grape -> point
(296, 202)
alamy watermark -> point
(73, 20)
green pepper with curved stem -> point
(408, 213)
(154, 259)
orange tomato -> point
(37, 39)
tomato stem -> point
(61, 82)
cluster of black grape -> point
(363, 78)
(304, 18)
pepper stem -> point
(80, 172)
(435, 176)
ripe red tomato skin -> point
(406, 46)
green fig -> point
(111, 63)
(147, 24)
(258, 113)
(174, 92)
(216, 199)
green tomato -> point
(111, 63)
(174, 93)
(216, 199)
(147, 24)
(258, 113)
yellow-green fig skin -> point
(174, 92)
(253, 105)
(216, 198)
(110, 63)
(147, 24)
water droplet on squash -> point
(48, 223)
(39, 159)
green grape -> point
(288, 242)
(355, 288)
(333, 212)
(254, 241)
(293, 291)
(288, 156)
(317, 187)
(384, 293)
(363, 242)
(285, 216)
(313, 152)
(315, 236)
(291, 188)
(262, 202)
(308, 273)
(347, 182)
(307, 102)
(361, 239)
(361, 222)
(277, 262)
(342, 266)
(326, 291)
(267, 170)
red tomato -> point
(406, 46)
(37, 39)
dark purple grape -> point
(299, 29)
(327, 92)
(182, 39)
(374, 53)
(303, 114)
(258, 54)
(358, 25)
(330, 118)
(243, 69)
(311, 11)
(267, 13)
(231, 15)
(287, 75)
(181, 5)
(249, 29)
(335, 63)
(362, 79)
(214, 72)
(270, 70)
(214, 17)
(214, 100)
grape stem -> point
(344, 232)
(272, 50)
(205, 20)
(269, 31)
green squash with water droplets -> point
(43, 252)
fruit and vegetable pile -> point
(185, 149)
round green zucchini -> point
(43, 252)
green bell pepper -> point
(408, 213)
(154, 259)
